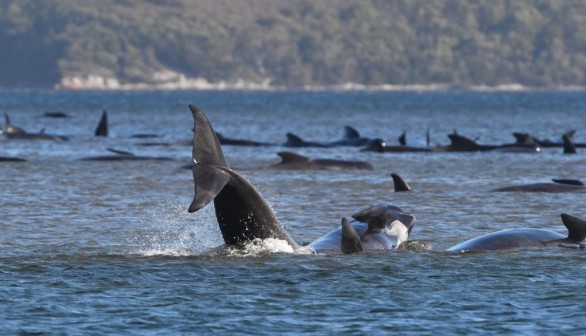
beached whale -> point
(13, 132)
(380, 146)
(55, 114)
(558, 186)
(241, 142)
(295, 161)
(244, 216)
(11, 159)
(120, 155)
(461, 143)
(527, 237)
(351, 138)
(526, 138)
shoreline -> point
(341, 88)
(175, 81)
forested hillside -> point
(293, 43)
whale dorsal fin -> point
(569, 147)
(459, 140)
(351, 133)
(289, 157)
(400, 184)
(208, 175)
(523, 138)
(569, 134)
(294, 140)
(220, 137)
(102, 129)
(350, 239)
(119, 152)
(576, 227)
(568, 182)
(403, 139)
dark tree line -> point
(296, 42)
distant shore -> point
(183, 83)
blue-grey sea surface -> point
(108, 247)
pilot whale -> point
(295, 161)
(244, 216)
(558, 186)
(13, 132)
(527, 237)
(376, 228)
(526, 138)
(120, 155)
(459, 143)
(380, 146)
(11, 159)
(241, 142)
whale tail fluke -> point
(102, 129)
(243, 214)
(576, 228)
(209, 166)
(400, 184)
(350, 239)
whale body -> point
(294, 161)
(120, 155)
(13, 132)
(526, 237)
(558, 186)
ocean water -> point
(105, 247)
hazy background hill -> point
(293, 43)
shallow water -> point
(104, 247)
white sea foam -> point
(170, 230)
(265, 246)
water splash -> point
(267, 246)
(168, 229)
